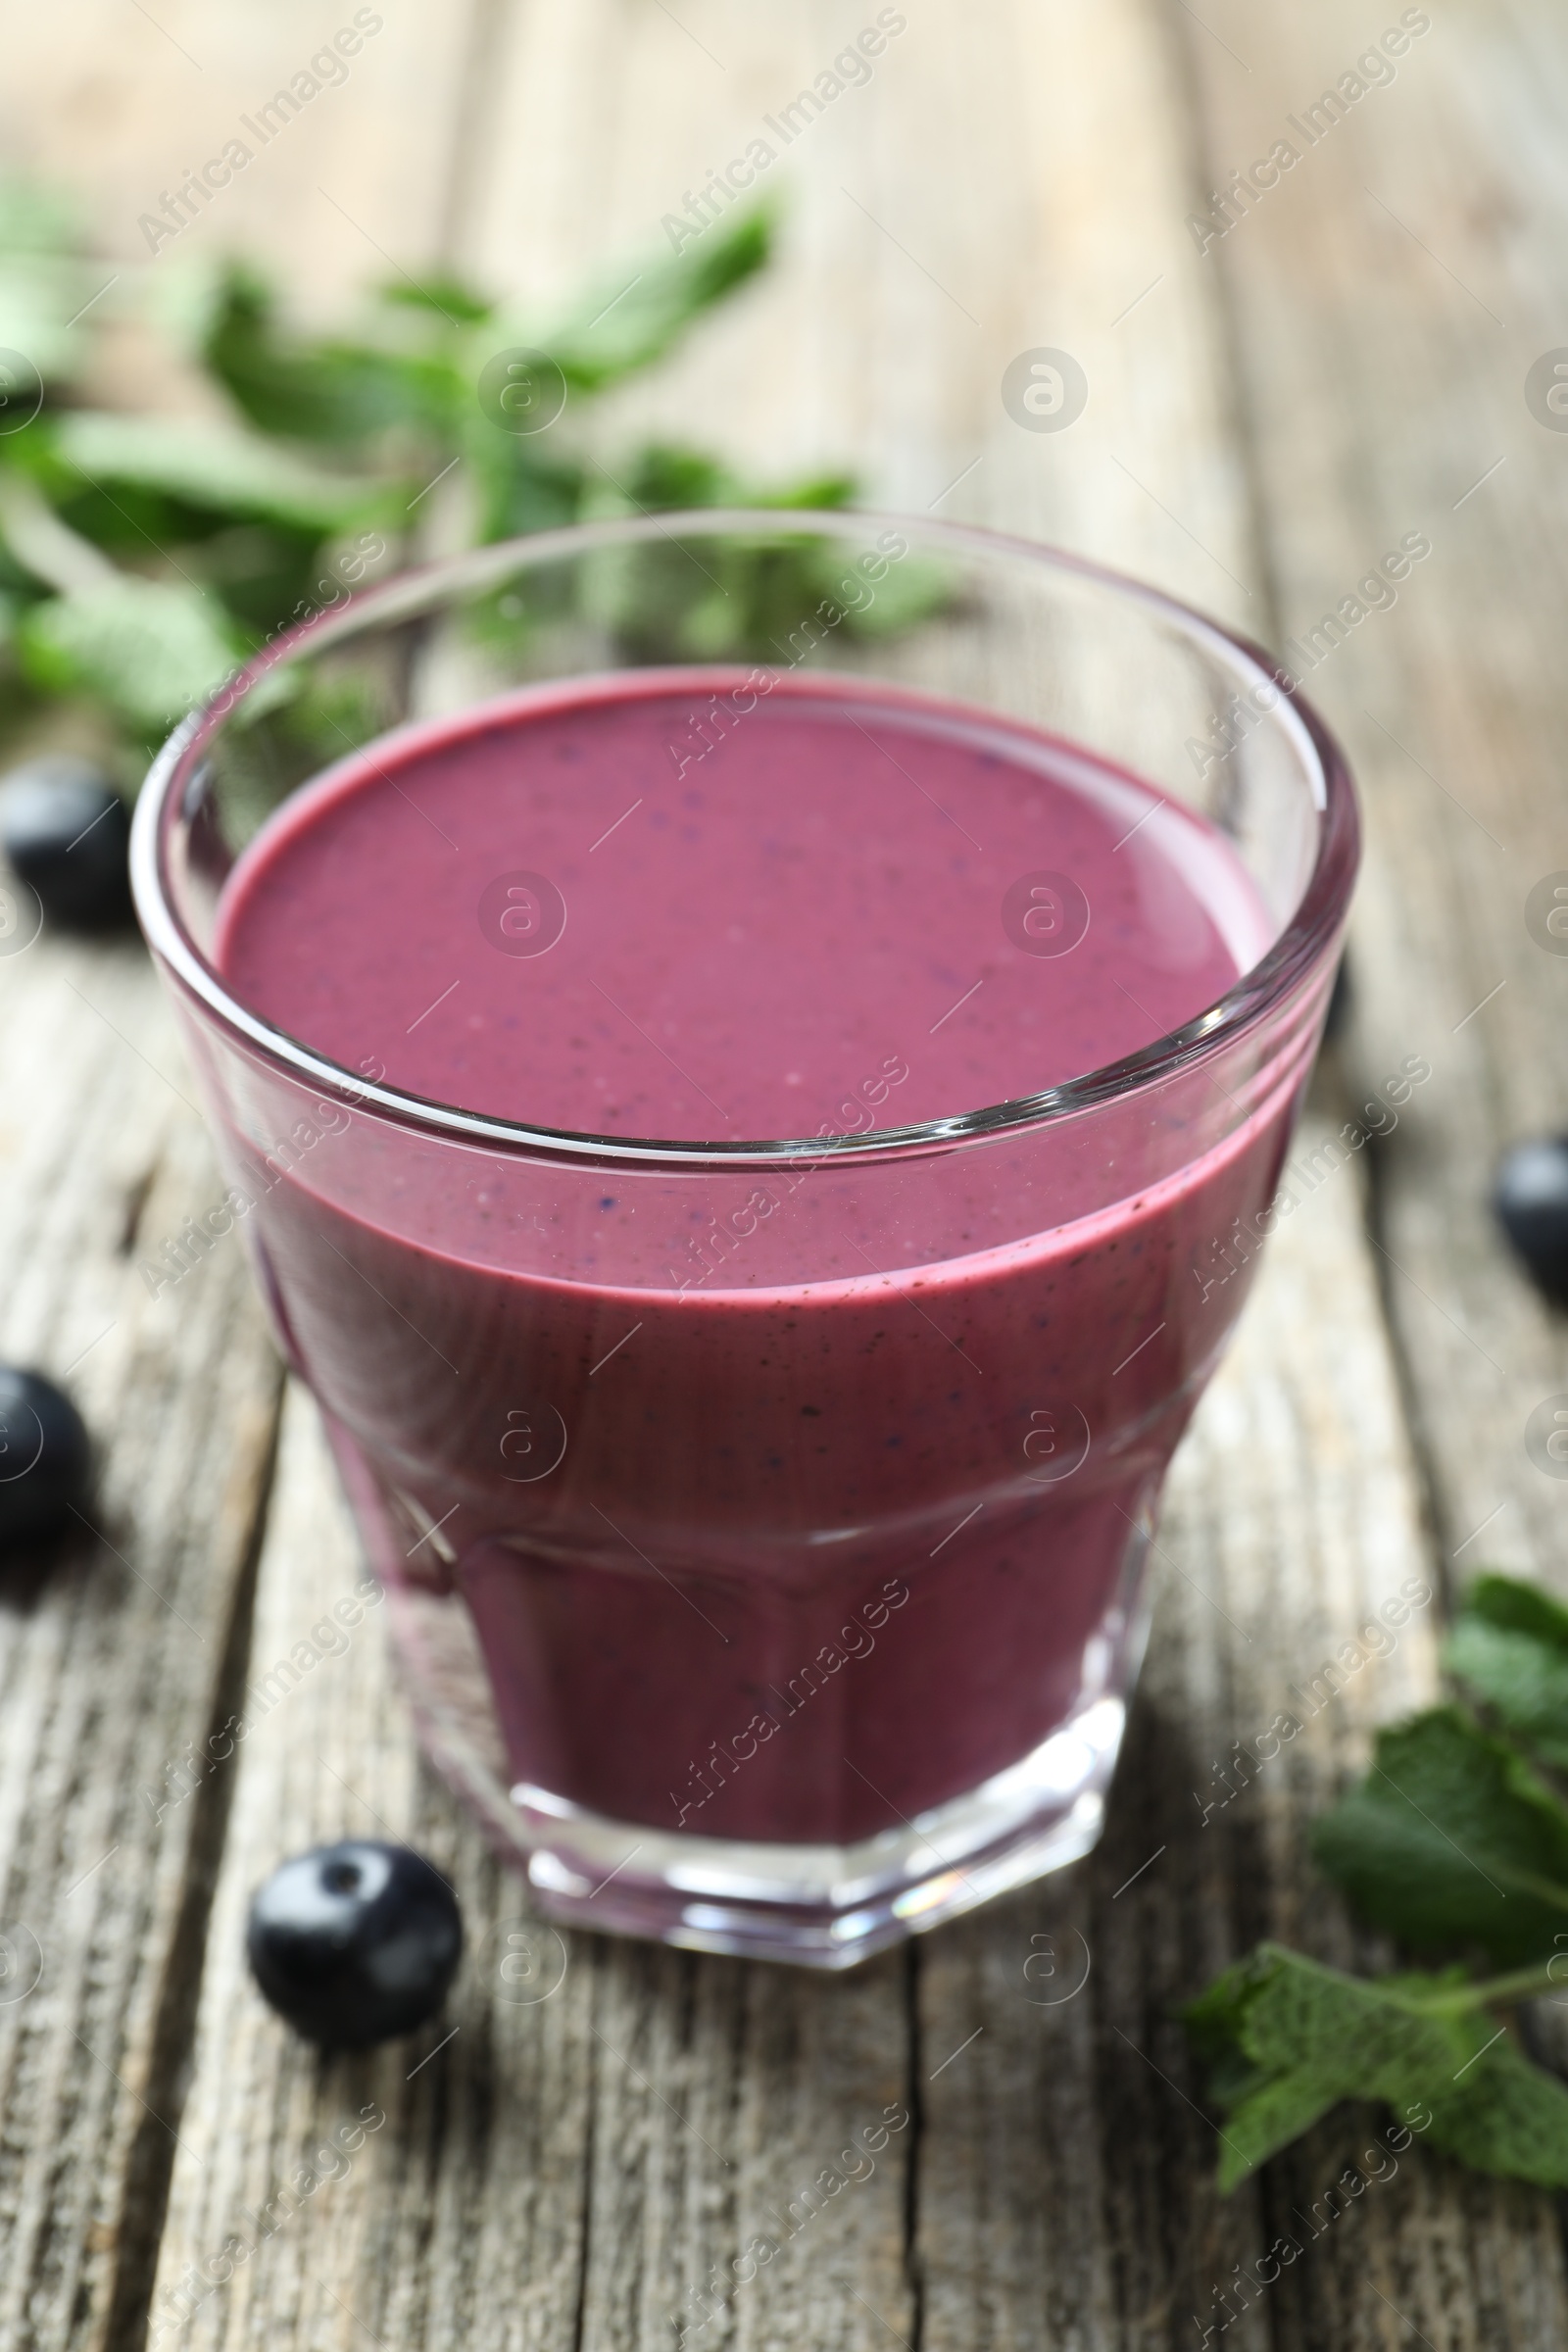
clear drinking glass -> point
(713, 1657)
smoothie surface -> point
(547, 909)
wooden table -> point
(1267, 415)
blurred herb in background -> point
(142, 557)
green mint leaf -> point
(206, 466)
(1287, 2039)
(1509, 1645)
(147, 649)
(664, 475)
(1266, 2031)
(296, 722)
(770, 600)
(907, 593)
(621, 328)
(335, 394)
(1452, 1840)
(1504, 2114)
(519, 485)
(449, 298)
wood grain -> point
(113, 1654)
(333, 194)
(1411, 367)
(1389, 298)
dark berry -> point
(67, 832)
(44, 1459)
(1531, 1199)
(356, 1943)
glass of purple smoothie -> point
(751, 1053)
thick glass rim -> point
(1302, 942)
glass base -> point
(817, 1906)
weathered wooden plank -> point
(112, 1656)
(1418, 224)
(342, 184)
(903, 288)
(1411, 365)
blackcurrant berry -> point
(44, 1459)
(356, 1943)
(1531, 1199)
(66, 832)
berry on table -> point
(44, 1459)
(66, 832)
(355, 1942)
(1530, 1200)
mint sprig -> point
(1456, 1842)
(1290, 2039)
(1511, 1648)
(141, 557)
(1452, 1839)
